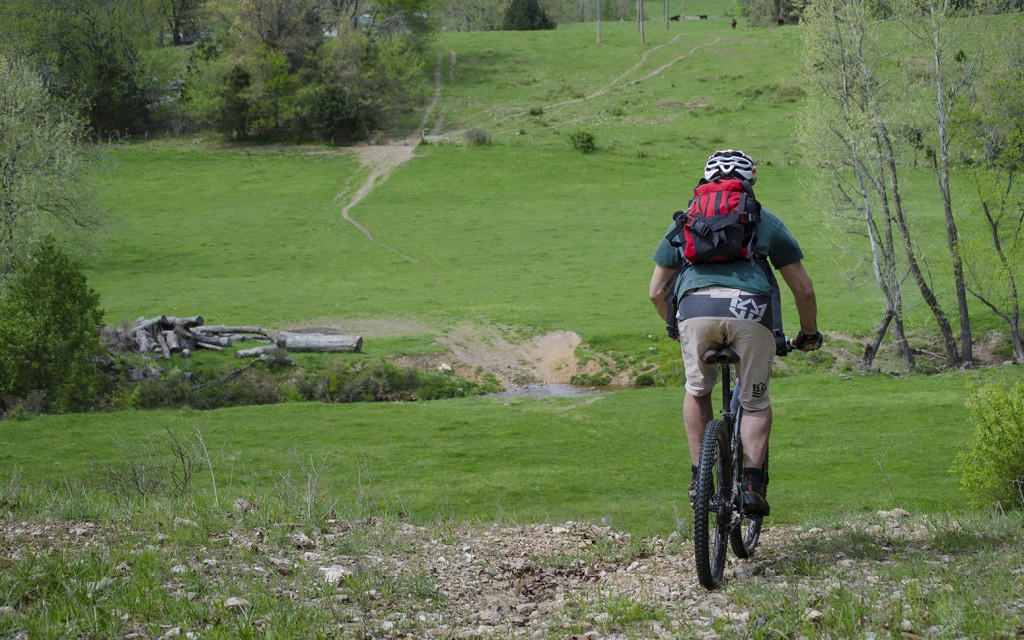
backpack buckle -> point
(697, 225)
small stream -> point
(546, 391)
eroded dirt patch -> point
(548, 358)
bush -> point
(992, 469)
(380, 380)
(49, 332)
(526, 15)
(477, 138)
(583, 141)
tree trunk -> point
(220, 341)
(184, 323)
(171, 339)
(952, 355)
(871, 349)
(318, 342)
(220, 328)
(161, 340)
(256, 351)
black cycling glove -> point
(672, 329)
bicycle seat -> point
(720, 355)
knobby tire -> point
(712, 504)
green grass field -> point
(839, 446)
(526, 233)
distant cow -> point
(780, 20)
(734, 23)
(702, 17)
(674, 18)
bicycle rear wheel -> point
(712, 505)
(744, 538)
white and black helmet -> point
(723, 163)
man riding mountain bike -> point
(716, 298)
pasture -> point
(450, 518)
(517, 238)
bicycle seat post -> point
(726, 388)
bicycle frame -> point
(732, 414)
(719, 520)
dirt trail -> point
(382, 160)
(546, 358)
(623, 77)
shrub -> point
(380, 380)
(992, 468)
(49, 332)
(477, 138)
(583, 141)
(526, 15)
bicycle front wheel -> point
(712, 505)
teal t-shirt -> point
(773, 240)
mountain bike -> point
(719, 520)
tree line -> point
(323, 70)
(923, 86)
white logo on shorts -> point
(747, 309)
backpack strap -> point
(781, 349)
(673, 302)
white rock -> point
(335, 573)
(237, 603)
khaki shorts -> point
(752, 341)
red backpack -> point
(719, 224)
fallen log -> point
(171, 339)
(144, 341)
(318, 342)
(161, 340)
(256, 351)
(142, 323)
(247, 337)
(221, 328)
(207, 338)
(184, 323)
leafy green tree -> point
(994, 260)
(848, 123)
(305, 71)
(526, 15)
(948, 33)
(49, 332)
(271, 94)
(470, 15)
(184, 19)
(92, 53)
(43, 157)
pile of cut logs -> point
(169, 334)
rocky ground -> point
(396, 580)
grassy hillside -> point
(422, 511)
(525, 232)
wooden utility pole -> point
(640, 19)
(599, 21)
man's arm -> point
(803, 295)
(657, 289)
